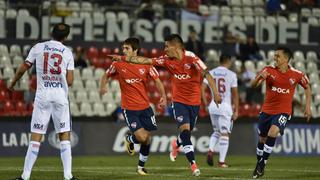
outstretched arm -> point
(212, 84)
(259, 79)
(163, 98)
(203, 94)
(132, 59)
(307, 112)
(103, 84)
(21, 70)
(235, 102)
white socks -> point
(224, 145)
(65, 152)
(30, 158)
(213, 140)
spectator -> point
(193, 44)
(80, 60)
(252, 50)
(171, 9)
(273, 6)
(246, 77)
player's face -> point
(279, 58)
(170, 49)
(128, 51)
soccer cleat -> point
(73, 178)
(174, 150)
(20, 178)
(142, 171)
(129, 146)
(210, 158)
(223, 165)
(195, 170)
(258, 171)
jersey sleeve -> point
(70, 65)
(200, 66)
(153, 73)
(262, 70)
(159, 61)
(32, 55)
(111, 71)
(304, 81)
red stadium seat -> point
(17, 95)
(8, 108)
(21, 109)
(143, 52)
(154, 52)
(4, 95)
(29, 109)
(2, 84)
(107, 62)
(92, 52)
(116, 51)
(104, 52)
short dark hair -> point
(286, 51)
(133, 42)
(60, 31)
(174, 38)
(224, 58)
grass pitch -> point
(161, 168)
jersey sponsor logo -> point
(53, 84)
(160, 60)
(292, 81)
(280, 90)
(141, 71)
(180, 118)
(133, 125)
(182, 76)
(38, 126)
(124, 70)
(131, 81)
(187, 66)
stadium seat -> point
(25, 50)
(293, 17)
(17, 96)
(92, 52)
(311, 67)
(203, 10)
(315, 88)
(316, 12)
(110, 108)
(114, 86)
(98, 73)
(258, 3)
(300, 66)
(81, 96)
(235, 3)
(23, 13)
(236, 11)
(237, 65)
(122, 16)
(107, 98)
(15, 50)
(116, 51)
(305, 12)
(8, 108)
(272, 20)
(247, 2)
(74, 109)
(20, 109)
(225, 10)
(74, 6)
(143, 52)
(46, 4)
(11, 13)
(17, 61)
(5, 62)
(91, 84)
(3, 5)
(4, 50)
(247, 11)
(4, 95)
(311, 55)
(110, 15)
(298, 56)
(77, 74)
(313, 21)
(260, 65)
(104, 52)
(71, 96)
(316, 99)
(117, 97)
(86, 109)
(77, 85)
(314, 77)
(259, 11)
(212, 55)
(249, 65)
(154, 52)
(87, 73)
(24, 84)
(94, 96)
(84, 14)
(237, 19)
(99, 109)
(2, 13)
(8, 72)
(270, 55)
(282, 19)
(86, 6)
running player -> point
(281, 81)
(54, 65)
(135, 103)
(187, 71)
(222, 117)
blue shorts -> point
(266, 120)
(140, 119)
(183, 114)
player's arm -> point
(163, 98)
(132, 59)
(70, 77)
(203, 94)
(20, 72)
(235, 102)
(213, 87)
(307, 112)
(262, 76)
(104, 80)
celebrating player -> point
(281, 82)
(54, 66)
(187, 70)
(222, 117)
(134, 100)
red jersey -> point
(280, 89)
(133, 79)
(187, 77)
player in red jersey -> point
(187, 71)
(135, 103)
(281, 82)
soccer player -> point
(135, 104)
(188, 71)
(54, 65)
(281, 81)
(222, 117)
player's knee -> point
(64, 136)
(262, 139)
(143, 138)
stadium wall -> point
(102, 136)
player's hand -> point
(11, 86)
(115, 57)
(217, 99)
(307, 114)
(235, 116)
(162, 102)
(103, 90)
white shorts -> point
(221, 123)
(42, 112)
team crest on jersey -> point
(124, 70)
(133, 125)
(142, 71)
(292, 81)
(187, 66)
(172, 66)
(180, 118)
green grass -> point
(160, 168)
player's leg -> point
(39, 124)
(143, 136)
(225, 126)
(133, 123)
(214, 138)
(62, 123)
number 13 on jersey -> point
(57, 58)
